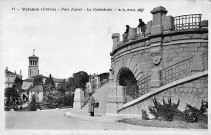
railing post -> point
(155, 78)
(115, 37)
(158, 13)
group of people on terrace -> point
(140, 30)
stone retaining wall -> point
(192, 92)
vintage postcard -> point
(104, 67)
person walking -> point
(91, 104)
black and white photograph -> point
(79, 67)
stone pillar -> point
(115, 99)
(155, 78)
(115, 37)
(78, 98)
(132, 34)
(197, 64)
(158, 13)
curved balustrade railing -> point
(187, 21)
(176, 71)
(132, 92)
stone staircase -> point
(101, 95)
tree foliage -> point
(49, 84)
(38, 80)
(80, 79)
(18, 84)
(11, 95)
(57, 100)
(49, 81)
(34, 104)
(71, 84)
(62, 86)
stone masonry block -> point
(115, 99)
(141, 44)
(149, 26)
(204, 23)
(189, 49)
(181, 37)
(195, 45)
(204, 44)
(168, 51)
(196, 36)
(183, 45)
(168, 23)
(147, 42)
(205, 36)
(111, 108)
(173, 54)
(178, 50)
(115, 91)
(154, 40)
(156, 29)
(167, 39)
(129, 48)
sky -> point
(70, 41)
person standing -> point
(142, 25)
(91, 104)
(125, 35)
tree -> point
(63, 86)
(18, 84)
(80, 79)
(11, 95)
(49, 83)
(33, 105)
(71, 85)
(38, 80)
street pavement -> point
(56, 120)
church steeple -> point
(33, 69)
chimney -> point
(20, 72)
(6, 68)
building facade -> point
(10, 77)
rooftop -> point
(9, 73)
(33, 56)
(37, 88)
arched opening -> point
(127, 79)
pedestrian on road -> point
(91, 104)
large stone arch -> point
(130, 65)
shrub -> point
(144, 115)
(192, 114)
(68, 99)
(167, 111)
(33, 105)
(53, 100)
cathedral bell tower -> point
(33, 69)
